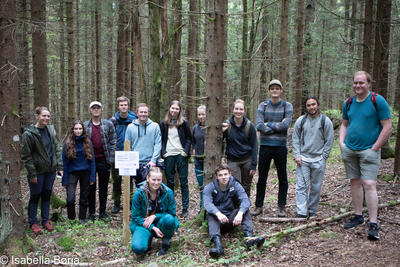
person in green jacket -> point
(153, 214)
(42, 158)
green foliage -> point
(386, 177)
(330, 235)
(66, 242)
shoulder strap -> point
(247, 128)
(374, 96)
(114, 121)
(349, 101)
(323, 119)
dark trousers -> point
(215, 227)
(41, 190)
(84, 184)
(182, 166)
(103, 172)
(117, 183)
(279, 155)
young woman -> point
(153, 214)
(199, 131)
(241, 145)
(42, 158)
(176, 141)
(79, 165)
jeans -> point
(182, 166)
(41, 190)
(103, 172)
(279, 155)
(73, 177)
(215, 227)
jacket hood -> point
(232, 121)
(131, 116)
(142, 187)
(32, 128)
(148, 122)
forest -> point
(66, 54)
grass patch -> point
(66, 242)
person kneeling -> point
(228, 206)
(153, 214)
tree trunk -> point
(78, 106)
(71, 62)
(215, 73)
(39, 59)
(120, 49)
(138, 51)
(191, 64)
(283, 48)
(264, 58)
(244, 85)
(321, 63)
(397, 89)
(12, 230)
(110, 68)
(175, 42)
(127, 54)
(397, 149)
(366, 64)
(98, 50)
(299, 65)
(63, 93)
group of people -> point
(90, 148)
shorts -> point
(362, 164)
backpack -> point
(246, 127)
(303, 120)
(349, 101)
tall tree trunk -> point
(367, 46)
(71, 62)
(299, 65)
(110, 67)
(283, 48)
(63, 93)
(120, 48)
(127, 54)
(215, 73)
(191, 64)
(98, 51)
(175, 42)
(397, 88)
(397, 149)
(86, 91)
(12, 230)
(39, 59)
(321, 62)
(138, 51)
(244, 85)
(264, 58)
(78, 106)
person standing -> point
(198, 137)
(42, 158)
(274, 117)
(312, 143)
(102, 134)
(176, 145)
(122, 118)
(241, 145)
(145, 137)
(366, 126)
(79, 165)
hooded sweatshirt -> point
(120, 127)
(145, 138)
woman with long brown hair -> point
(79, 165)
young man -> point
(274, 117)
(120, 120)
(102, 134)
(228, 206)
(366, 126)
(145, 137)
(312, 143)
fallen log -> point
(280, 234)
(278, 220)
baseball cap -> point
(94, 103)
(275, 82)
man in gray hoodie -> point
(312, 143)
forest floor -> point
(328, 244)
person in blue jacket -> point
(153, 214)
(79, 165)
(176, 144)
(198, 135)
(121, 121)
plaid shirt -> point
(108, 137)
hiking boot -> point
(36, 229)
(300, 216)
(218, 250)
(258, 242)
(256, 211)
(184, 213)
(353, 223)
(373, 232)
(311, 214)
(48, 226)
(104, 217)
(117, 207)
(281, 211)
(91, 218)
(163, 251)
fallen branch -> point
(388, 221)
(278, 220)
(280, 234)
(113, 262)
(337, 188)
(332, 205)
(395, 177)
(323, 252)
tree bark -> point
(244, 85)
(78, 106)
(299, 65)
(191, 64)
(120, 49)
(175, 42)
(71, 62)
(138, 51)
(98, 51)
(367, 46)
(39, 58)
(214, 85)
(283, 47)
(12, 230)
(61, 121)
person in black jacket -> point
(175, 149)
(241, 145)
(228, 206)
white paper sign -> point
(127, 172)
(126, 160)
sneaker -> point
(36, 229)
(48, 226)
(281, 211)
(373, 232)
(311, 214)
(163, 251)
(353, 223)
(91, 218)
(300, 216)
(184, 213)
(256, 211)
(104, 217)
